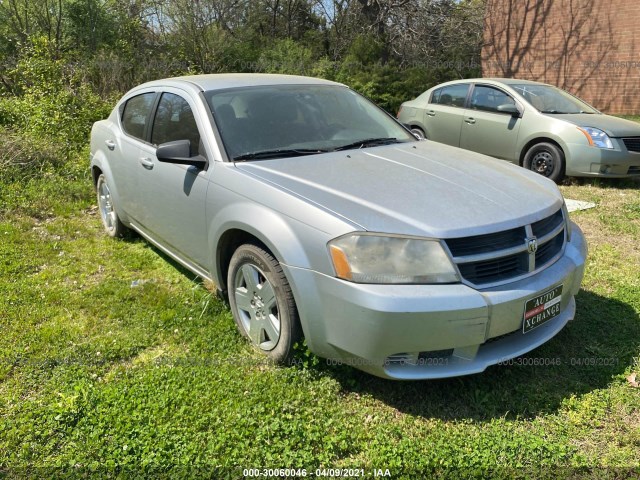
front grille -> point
(503, 256)
(632, 144)
(547, 251)
(494, 270)
(635, 170)
(546, 226)
(464, 246)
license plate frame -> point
(540, 309)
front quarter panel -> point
(295, 230)
(537, 127)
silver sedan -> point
(320, 216)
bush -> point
(50, 99)
(23, 156)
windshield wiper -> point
(278, 153)
(368, 142)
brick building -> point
(590, 48)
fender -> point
(266, 225)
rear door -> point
(135, 118)
(444, 113)
(487, 130)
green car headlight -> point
(385, 259)
(596, 137)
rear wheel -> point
(262, 302)
(547, 160)
(418, 132)
(112, 224)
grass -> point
(115, 362)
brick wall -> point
(590, 48)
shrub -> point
(50, 99)
(23, 156)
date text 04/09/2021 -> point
(318, 472)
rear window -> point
(452, 95)
(135, 114)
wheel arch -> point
(228, 243)
(252, 223)
(535, 141)
(98, 168)
(238, 235)
(96, 171)
(416, 124)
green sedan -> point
(534, 125)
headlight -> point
(371, 258)
(596, 137)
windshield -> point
(550, 99)
(287, 120)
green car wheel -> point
(546, 159)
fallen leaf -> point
(632, 380)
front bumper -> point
(586, 161)
(415, 332)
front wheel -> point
(262, 303)
(546, 159)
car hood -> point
(612, 126)
(417, 188)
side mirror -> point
(178, 152)
(509, 108)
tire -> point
(418, 132)
(112, 224)
(547, 160)
(262, 302)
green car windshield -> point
(274, 121)
(548, 99)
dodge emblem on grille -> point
(532, 245)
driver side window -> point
(489, 99)
(174, 120)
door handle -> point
(431, 113)
(110, 144)
(470, 120)
(146, 163)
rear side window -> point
(452, 95)
(136, 114)
(175, 121)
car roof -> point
(220, 81)
(504, 81)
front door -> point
(486, 129)
(174, 196)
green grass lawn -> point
(114, 361)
